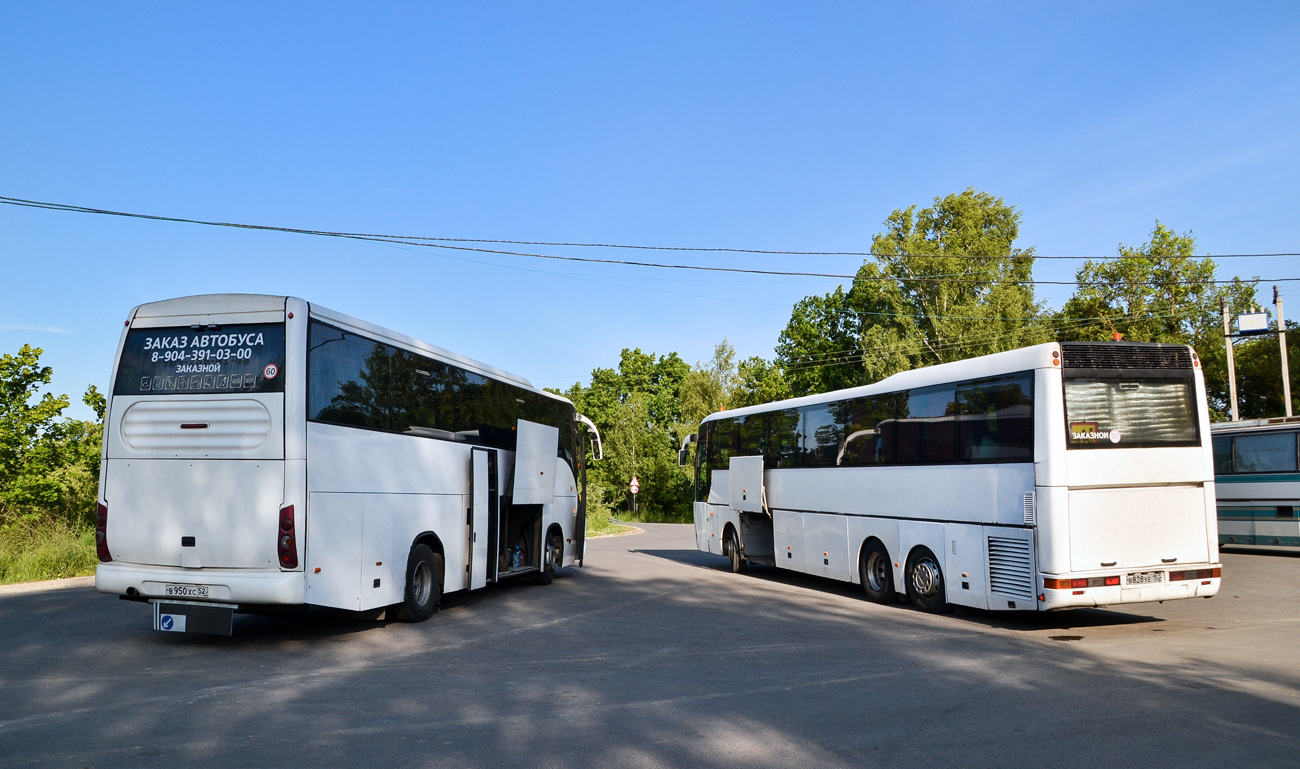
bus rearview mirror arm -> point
(591, 428)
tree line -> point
(945, 282)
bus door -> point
(580, 518)
(482, 517)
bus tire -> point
(877, 573)
(925, 582)
(733, 552)
(423, 585)
(551, 560)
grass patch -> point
(599, 524)
(50, 551)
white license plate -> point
(186, 591)
(1143, 578)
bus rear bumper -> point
(243, 586)
(1049, 599)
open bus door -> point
(597, 454)
(482, 517)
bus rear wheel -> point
(423, 585)
(733, 552)
(877, 573)
(925, 582)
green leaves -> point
(946, 283)
(49, 467)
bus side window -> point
(1222, 455)
(926, 430)
(1267, 453)
(996, 420)
(821, 439)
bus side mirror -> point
(681, 453)
(599, 453)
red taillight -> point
(1073, 584)
(287, 544)
(101, 533)
(1187, 576)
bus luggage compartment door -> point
(334, 538)
(537, 448)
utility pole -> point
(1281, 339)
(1232, 367)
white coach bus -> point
(1049, 477)
(262, 452)
(1258, 482)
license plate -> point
(1143, 578)
(186, 591)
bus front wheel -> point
(552, 559)
(733, 552)
(877, 573)
(925, 582)
(423, 585)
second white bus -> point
(261, 452)
(1049, 477)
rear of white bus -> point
(202, 482)
(1125, 488)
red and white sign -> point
(635, 486)
(271, 371)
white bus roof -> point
(228, 304)
(1245, 425)
(1023, 359)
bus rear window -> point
(1130, 413)
(231, 358)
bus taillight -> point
(101, 533)
(287, 543)
(1068, 584)
(1187, 576)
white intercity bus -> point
(263, 452)
(1049, 477)
(1258, 482)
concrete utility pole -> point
(1232, 367)
(1281, 339)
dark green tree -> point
(1159, 292)
(945, 283)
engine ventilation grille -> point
(1011, 570)
(1125, 355)
(1031, 513)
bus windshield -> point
(230, 358)
(1130, 413)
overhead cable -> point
(442, 244)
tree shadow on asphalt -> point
(1011, 620)
(610, 667)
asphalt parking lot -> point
(655, 655)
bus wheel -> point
(423, 585)
(877, 573)
(551, 561)
(925, 582)
(733, 552)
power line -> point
(430, 243)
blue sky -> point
(782, 126)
